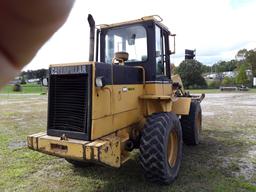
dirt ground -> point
(225, 160)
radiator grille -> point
(68, 102)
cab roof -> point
(156, 18)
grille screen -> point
(68, 102)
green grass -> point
(26, 88)
(199, 91)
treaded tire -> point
(77, 163)
(155, 138)
(192, 124)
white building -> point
(230, 74)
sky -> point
(217, 29)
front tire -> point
(161, 148)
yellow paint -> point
(106, 150)
(143, 19)
(110, 153)
(102, 127)
(155, 105)
(158, 89)
(154, 89)
(102, 102)
(110, 124)
(156, 97)
(167, 89)
(125, 97)
(166, 105)
(32, 140)
(70, 148)
(120, 108)
(127, 118)
(182, 106)
(88, 152)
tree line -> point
(192, 71)
(33, 74)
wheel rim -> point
(172, 148)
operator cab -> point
(143, 42)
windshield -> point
(132, 40)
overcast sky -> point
(217, 29)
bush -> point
(241, 78)
(215, 84)
(228, 81)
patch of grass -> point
(26, 88)
(7, 89)
(200, 91)
(32, 88)
(247, 186)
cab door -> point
(162, 54)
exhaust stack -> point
(92, 37)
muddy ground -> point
(225, 160)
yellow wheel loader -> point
(123, 99)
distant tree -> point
(206, 68)
(250, 57)
(242, 78)
(215, 84)
(40, 73)
(241, 54)
(190, 72)
(232, 65)
(35, 74)
(223, 66)
(30, 74)
(228, 81)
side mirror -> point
(45, 82)
(174, 44)
(100, 82)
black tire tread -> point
(188, 124)
(152, 149)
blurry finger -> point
(27, 24)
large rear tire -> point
(161, 148)
(192, 124)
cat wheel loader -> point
(123, 99)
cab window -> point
(131, 39)
(159, 52)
